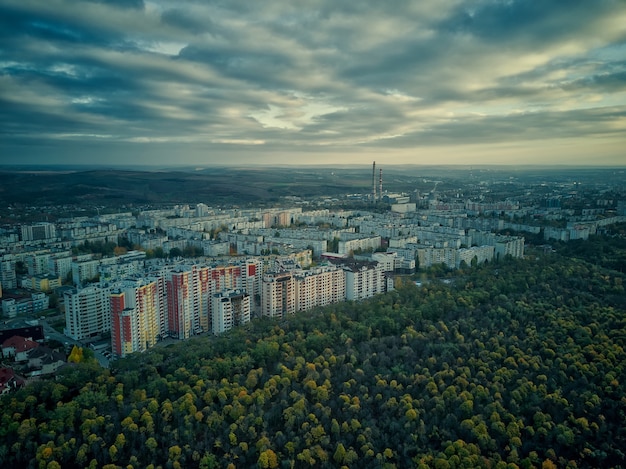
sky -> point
(314, 82)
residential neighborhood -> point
(122, 282)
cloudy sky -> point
(316, 81)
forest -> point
(517, 364)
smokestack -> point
(374, 181)
(380, 182)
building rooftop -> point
(20, 344)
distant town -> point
(122, 281)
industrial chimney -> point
(374, 181)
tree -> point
(340, 454)
(268, 459)
(119, 250)
(76, 355)
(176, 252)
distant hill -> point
(117, 187)
(254, 185)
(40, 186)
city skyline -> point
(429, 82)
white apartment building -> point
(317, 246)
(347, 246)
(38, 231)
(478, 254)
(388, 260)
(429, 256)
(60, 265)
(509, 245)
(83, 271)
(12, 307)
(278, 294)
(120, 270)
(8, 278)
(387, 229)
(364, 280)
(401, 242)
(37, 264)
(230, 309)
(320, 286)
(87, 312)
(202, 210)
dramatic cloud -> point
(428, 81)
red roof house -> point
(18, 347)
(9, 380)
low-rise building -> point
(9, 380)
(45, 361)
(13, 307)
(17, 347)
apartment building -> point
(278, 294)
(183, 316)
(38, 232)
(428, 256)
(8, 277)
(229, 309)
(37, 264)
(60, 265)
(43, 283)
(364, 279)
(475, 254)
(347, 246)
(12, 307)
(320, 286)
(87, 312)
(509, 245)
(137, 314)
(84, 270)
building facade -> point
(136, 316)
(230, 309)
(87, 312)
(364, 280)
(38, 231)
(182, 320)
(278, 294)
(320, 286)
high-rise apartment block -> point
(230, 309)
(320, 286)
(137, 312)
(364, 280)
(287, 292)
(182, 300)
(87, 312)
(278, 294)
(183, 318)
